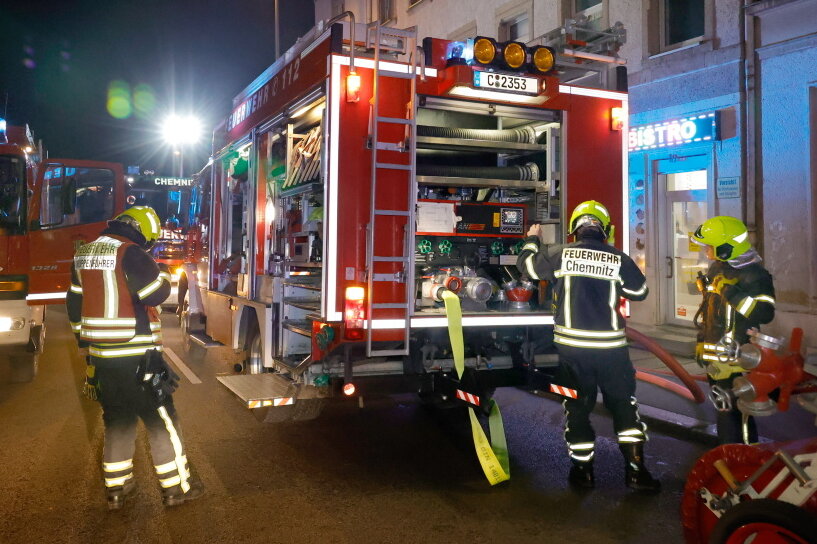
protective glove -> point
(91, 386)
(722, 284)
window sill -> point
(693, 43)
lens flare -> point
(119, 100)
(144, 100)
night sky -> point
(59, 58)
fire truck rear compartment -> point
(484, 174)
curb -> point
(669, 423)
(679, 425)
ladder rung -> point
(395, 120)
(389, 259)
(392, 212)
(387, 352)
(390, 146)
(393, 166)
(389, 305)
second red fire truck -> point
(349, 192)
(47, 208)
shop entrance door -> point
(682, 183)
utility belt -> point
(156, 377)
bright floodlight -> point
(181, 130)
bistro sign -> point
(697, 128)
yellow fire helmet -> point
(144, 219)
(727, 235)
(590, 212)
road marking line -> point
(182, 367)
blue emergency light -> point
(3, 131)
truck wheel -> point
(23, 367)
(184, 322)
(23, 364)
(254, 361)
(764, 520)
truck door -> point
(71, 204)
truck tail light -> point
(354, 313)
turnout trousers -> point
(124, 401)
(591, 370)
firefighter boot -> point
(581, 475)
(636, 475)
(174, 496)
(116, 495)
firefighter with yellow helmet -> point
(590, 278)
(115, 289)
(738, 294)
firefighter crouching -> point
(115, 287)
(591, 276)
(738, 294)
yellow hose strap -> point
(493, 455)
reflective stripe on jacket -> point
(115, 273)
(591, 278)
(107, 307)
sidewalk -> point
(672, 414)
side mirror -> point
(68, 197)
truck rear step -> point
(201, 339)
(267, 389)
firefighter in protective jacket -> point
(591, 277)
(738, 295)
(115, 288)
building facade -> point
(722, 121)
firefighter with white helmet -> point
(591, 277)
(115, 288)
(738, 295)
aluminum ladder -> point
(375, 37)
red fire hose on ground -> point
(690, 390)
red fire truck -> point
(351, 189)
(47, 208)
(175, 201)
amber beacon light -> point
(542, 59)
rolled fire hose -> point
(525, 135)
(653, 347)
(493, 455)
(526, 172)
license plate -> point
(506, 82)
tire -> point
(185, 323)
(23, 367)
(765, 520)
(254, 361)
